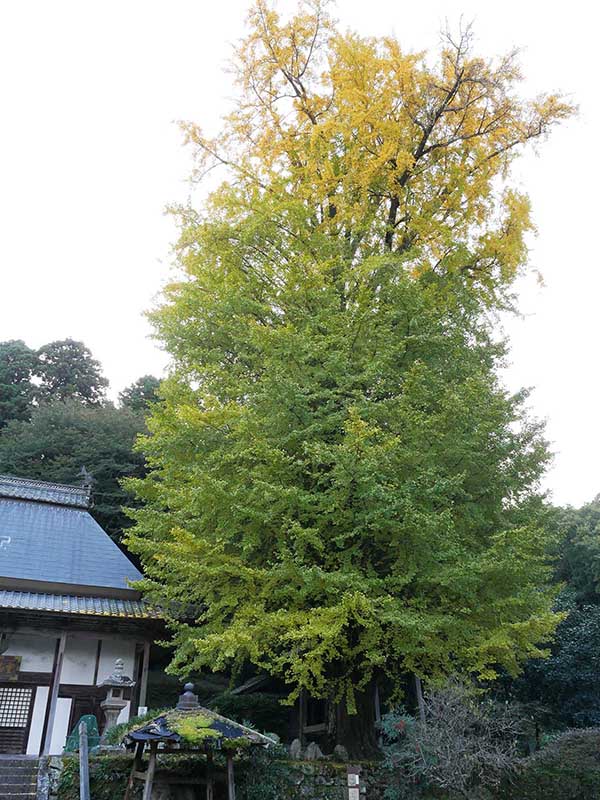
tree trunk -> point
(420, 700)
(356, 732)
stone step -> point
(21, 770)
(18, 795)
(15, 777)
(18, 766)
(6, 783)
(18, 778)
(17, 773)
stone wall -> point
(302, 780)
(325, 781)
(51, 768)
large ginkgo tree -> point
(339, 484)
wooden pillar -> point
(138, 758)
(144, 679)
(84, 764)
(210, 783)
(230, 778)
(135, 767)
(150, 772)
(53, 694)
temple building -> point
(67, 612)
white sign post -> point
(353, 783)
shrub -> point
(568, 768)
(108, 777)
(466, 746)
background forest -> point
(55, 421)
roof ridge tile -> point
(64, 494)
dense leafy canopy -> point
(340, 484)
(140, 394)
(579, 552)
(67, 370)
(18, 364)
(60, 370)
(61, 438)
(373, 149)
(358, 508)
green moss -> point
(195, 729)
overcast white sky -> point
(89, 156)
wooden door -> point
(16, 709)
(86, 704)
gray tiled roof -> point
(44, 492)
(43, 541)
(74, 604)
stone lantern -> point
(115, 701)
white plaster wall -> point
(79, 661)
(113, 649)
(37, 655)
(61, 724)
(37, 652)
(37, 721)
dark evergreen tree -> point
(564, 689)
(62, 437)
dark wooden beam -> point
(35, 678)
(97, 664)
(135, 627)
